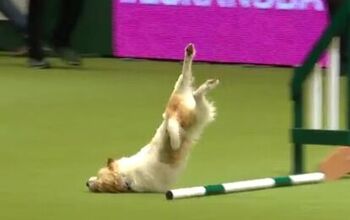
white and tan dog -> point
(157, 165)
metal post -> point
(315, 97)
(333, 85)
(298, 153)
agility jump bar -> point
(246, 185)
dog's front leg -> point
(208, 85)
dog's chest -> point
(181, 107)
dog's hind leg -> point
(181, 101)
(184, 82)
(174, 129)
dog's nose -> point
(91, 181)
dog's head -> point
(108, 179)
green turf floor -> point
(58, 126)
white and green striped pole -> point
(246, 185)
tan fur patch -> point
(109, 180)
(186, 117)
(176, 107)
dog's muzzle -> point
(91, 182)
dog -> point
(158, 165)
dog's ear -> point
(110, 163)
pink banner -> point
(277, 32)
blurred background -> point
(254, 32)
(93, 34)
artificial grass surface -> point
(58, 126)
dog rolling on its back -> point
(158, 164)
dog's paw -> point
(190, 50)
(212, 83)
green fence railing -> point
(302, 136)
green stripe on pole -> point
(282, 181)
(214, 189)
